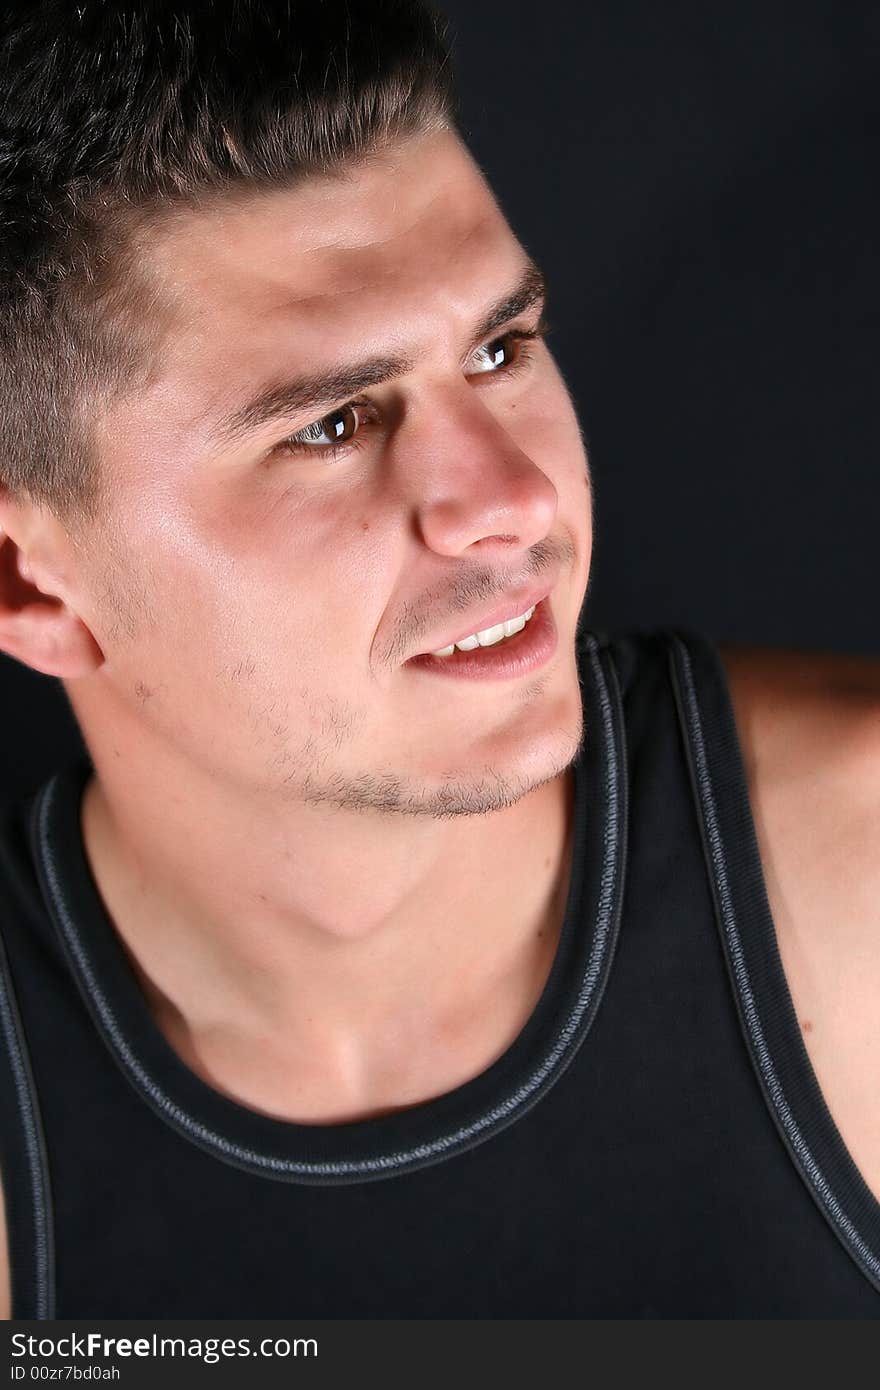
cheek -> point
(546, 427)
(308, 575)
(331, 543)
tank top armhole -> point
(748, 937)
(24, 1167)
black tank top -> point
(653, 1144)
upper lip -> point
(501, 609)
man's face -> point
(272, 595)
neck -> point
(317, 971)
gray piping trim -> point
(36, 1154)
(386, 1164)
(820, 1185)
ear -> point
(38, 625)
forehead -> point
(366, 260)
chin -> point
(496, 783)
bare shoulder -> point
(809, 726)
(809, 729)
(827, 701)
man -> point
(376, 964)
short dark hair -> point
(113, 113)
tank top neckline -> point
(399, 1142)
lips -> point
(511, 606)
(511, 660)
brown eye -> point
(495, 355)
(335, 428)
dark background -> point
(700, 183)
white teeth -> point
(489, 635)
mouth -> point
(521, 653)
(493, 624)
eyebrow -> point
(313, 390)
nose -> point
(476, 485)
